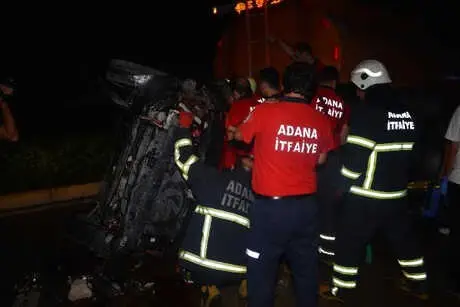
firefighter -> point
(244, 100)
(330, 189)
(290, 139)
(379, 149)
(269, 84)
(213, 250)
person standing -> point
(213, 247)
(380, 148)
(330, 187)
(452, 171)
(290, 139)
(244, 101)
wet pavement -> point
(36, 242)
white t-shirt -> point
(453, 135)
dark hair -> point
(242, 87)
(270, 76)
(328, 73)
(299, 78)
(304, 47)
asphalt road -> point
(34, 242)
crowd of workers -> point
(325, 178)
(302, 177)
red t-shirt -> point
(289, 137)
(238, 112)
(337, 111)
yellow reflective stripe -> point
(349, 174)
(372, 162)
(212, 264)
(371, 166)
(343, 284)
(416, 276)
(191, 160)
(326, 237)
(366, 190)
(205, 237)
(325, 252)
(411, 263)
(357, 140)
(394, 146)
(377, 194)
(345, 270)
(224, 215)
(183, 167)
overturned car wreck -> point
(145, 202)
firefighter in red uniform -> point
(329, 193)
(290, 139)
(244, 100)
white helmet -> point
(368, 73)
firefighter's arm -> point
(248, 129)
(344, 133)
(345, 127)
(289, 50)
(322, 158)
(326, 142)
(193, 170)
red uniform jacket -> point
(329, 103)
(238, 112)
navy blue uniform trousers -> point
(282, 227)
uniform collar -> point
(294, 99)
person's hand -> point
(185, 119)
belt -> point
(301, 196)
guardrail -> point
(82, 193)
(26, 201)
